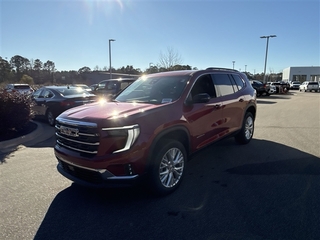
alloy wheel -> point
(171, 167)
(248, 127)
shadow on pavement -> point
(43, 136)
(229, 192)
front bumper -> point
(272, 91)
(97, 178)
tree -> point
(37, 68)
(170, 59)
(84, 70)
(181, 67)
(27, 79)
(5, 70)
(50, 68)
(96, 68)
(20, 65)
(37, 65)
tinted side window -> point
(223, 84)
(124, 85)
(101, 85)
(204, 84)
(37, 93)
(48, 94)
(238, 80)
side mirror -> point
(199, 98)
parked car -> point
(309, 86)
(21, 88)
(93, 87)
(281, 87)
(294, 85)
(83, 86)
(272, 89)
(50, 101)
(111, 87)
(261, 88)
(151, 128)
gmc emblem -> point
(72, 132)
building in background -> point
(301, 74)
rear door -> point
(229, 89)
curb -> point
(41, 133)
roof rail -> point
(225, 69)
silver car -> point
(19, 88)
(309, 86)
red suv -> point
(149, 130)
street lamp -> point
(265, 61)
(110, 70)
(233, 64)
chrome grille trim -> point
(91, 169)
(69, 139)
(82, 134)
(85, 142)
(76, 149)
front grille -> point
(81, 173)
(78, 136)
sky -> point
(204, 33)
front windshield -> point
(154, 89)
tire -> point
(167, 167)
(246, 133)
(50, 118)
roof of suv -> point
(118, 79)
(190, 72)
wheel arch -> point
(252, 110)
(179, 133)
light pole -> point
(233, 63)
(110, 70)
(265, 61)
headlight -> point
(131, 132)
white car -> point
(294, 85)
(272, 89)
(309, 86)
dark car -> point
(50, 101)
(151, 128)
(111, 87)
(261, 88)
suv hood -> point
(106, 110)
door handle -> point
(241, 100)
